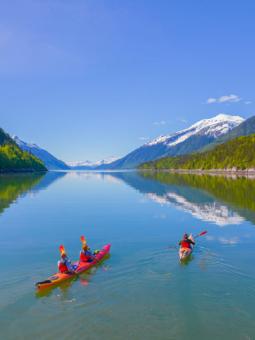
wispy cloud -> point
(183, 120)
(231, 98)
(161, 122)
(248, 102)
(143, 138)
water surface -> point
(141, 291)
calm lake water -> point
(141, 291)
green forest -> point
(12, 158)
(238, 153)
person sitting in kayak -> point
(187, 242)
(64, 265)
(85, 254)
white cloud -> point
(183, 120)
(143, 138)
(211, 100)
(231, 98)
(247, 102)
(161, 122)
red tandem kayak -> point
(82, 267)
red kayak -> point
(184, 253)
(81, 267)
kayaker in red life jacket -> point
(186, 242)
(85, 254)
(65, 265)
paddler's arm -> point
(70, 266)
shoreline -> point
(21, 171)
(213, 172)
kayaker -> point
(65, 265)
(85, 254)
(187, 242)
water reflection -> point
(94, 175)
(218, 199)
(13, 186)
(144, 278)
(211, 212)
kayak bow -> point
(81, 267)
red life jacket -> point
(83, 257)
(62, 267)
(185, 244)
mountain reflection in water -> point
(218, 199)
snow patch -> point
(215, 127)
(91, 164)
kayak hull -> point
(184, 253)
(58, 278)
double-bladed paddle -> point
(201, 234)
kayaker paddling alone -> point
(186, 245)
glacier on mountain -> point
(215, 127)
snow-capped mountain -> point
(182, 142)
(73, 164)
(86, 165)
(215, 127)
(51, 162)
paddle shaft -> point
(200, 234)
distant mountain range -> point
(50, 161)
(53, 163)
(201, 136)
(88, 165)
(182, 142)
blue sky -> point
(89, 79)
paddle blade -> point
(83, 240)
(203, 233)
(62, 249)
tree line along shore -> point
(237, 155)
